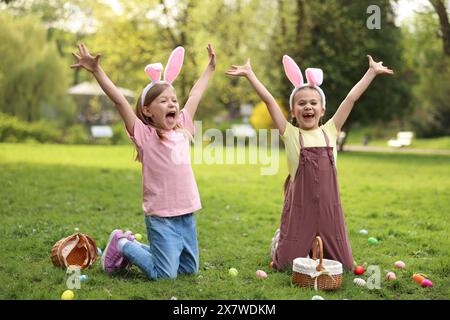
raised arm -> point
(273, 107)
(196, 93)
(342, 113)
(91, 64)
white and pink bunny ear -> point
(174, 64)
(292, 71)
(154, 71)
(314, 76)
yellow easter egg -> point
(67, 295)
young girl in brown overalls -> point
(312, 204)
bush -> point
(76, 134)
(14, 130)
(261, 119)
(119, 134)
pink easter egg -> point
(400, 264)
(260, 274)
(426, 283)
(390, 276)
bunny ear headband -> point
(173, 68)
(314, 77)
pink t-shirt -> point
(169, 187)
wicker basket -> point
(320, 274)
(77, 250)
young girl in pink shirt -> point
(161, 134)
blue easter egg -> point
(84, 278)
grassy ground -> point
(49, 190)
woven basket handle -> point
(318, 241)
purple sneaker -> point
(112, 258)
(126, 264)
(130, 235)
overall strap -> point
(301, 139)
(326, 138)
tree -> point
(333, 35)
(33, 77)
(441, 11)
(431, 93)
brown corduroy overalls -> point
(312, 207)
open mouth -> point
(171, 115)
(308, 116)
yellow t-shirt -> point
(311, 138)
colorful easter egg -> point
(418, 278)
(390, 276)
(426, 283)
(359, 282)
(233, 272)
(84, 278)
(260, 274)
(359, 270)
(67, 295)
(400, 264)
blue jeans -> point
(173, 247)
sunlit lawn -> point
(49, 190)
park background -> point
(56, 177)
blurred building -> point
(93, 106)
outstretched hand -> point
(378, 67)
(85, 59)
(212, 56)
(244, 70)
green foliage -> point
(33, 78)
(14, 130)
(119, 134)
(431, 68)
(58, 188)
(76, 134)
(333, 35)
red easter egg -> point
(359, 270)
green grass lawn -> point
(49, 190)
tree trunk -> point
(441, 11)
(282, 19)
(345, 128)
(300, 22)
